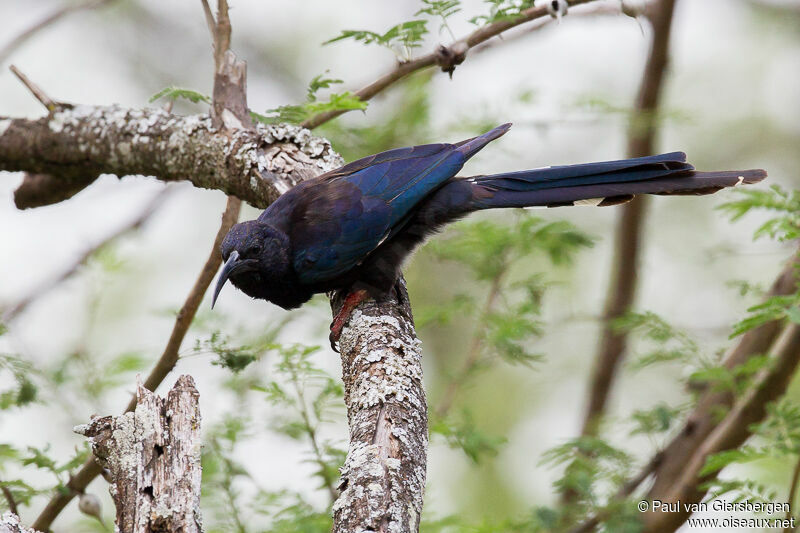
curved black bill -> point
(229, 266)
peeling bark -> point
(68, 150)
(153, 458)
(383, 478)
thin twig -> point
(222, 33)
(624, 491)
(330, 484)
(12, 504)
(212, 24)
(37, 92)
(137, 222)
(580, 12)
(458, 49)
(474, 352)
(53, 17)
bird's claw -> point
(336, 332)
(343, 316)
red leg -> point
(343, 316)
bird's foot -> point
(343, 316)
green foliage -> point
(510, 316)
(638, 120)
(658, 419)
(291, 513)
(234, 358)
(488, 248)
(463, 434)
(774, 308)
(305, 398)
(594, 471)
(441, 9)
(406, 35)
(41, 459)
(24, 391)
(590, 462)
(776, 438)
(737, 379)
(174, 93)
(404, 123)
(664, 342)
(95, 376)
(500, 10)
(786, 205)
(299, 113)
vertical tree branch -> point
(383, 478)
(622, 286)
(153, 457)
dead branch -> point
(90, 469)
(152, 455)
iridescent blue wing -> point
(339, 218)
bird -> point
(352, 229)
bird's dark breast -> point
(286, 294)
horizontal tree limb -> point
(70, 148)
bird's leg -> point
(351, 301)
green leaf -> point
(500, 10)
(786, 204)
(463, 434)
(655, 420)
(317, 83)
(173, 93)
(718, 461)
(774, 308)
(406, 34)
(299, 113)
(442, 9)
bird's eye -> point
(252, 251)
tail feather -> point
(606, 183)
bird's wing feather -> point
(345, 216)
(332, 228)
(342, 216)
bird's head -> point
(254, 253)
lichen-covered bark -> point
(153, 459)
(9, 523)
(383, 478)
(67, 150)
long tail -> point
(606, 183)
